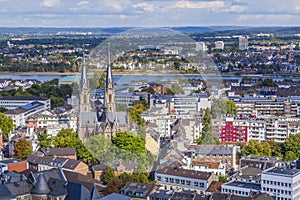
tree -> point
(129, 142)
(6, 125)
(221, 106)
(231, 107)
(44, 141)
(100, 147)
(68, 138)
(114, 186)
(290, 156)
(98, 80)
(56, 101)
(275, 147)
(109, 174)
(207, 135)
(176, 89)
(137, 109)
(292, 144)
(256, 148)
(223, 179)
(22, 149)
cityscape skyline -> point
(136, 13)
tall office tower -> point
(243, 43)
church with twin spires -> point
(107, 122)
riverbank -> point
(149, 73)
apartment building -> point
(13, 102)
(177, 178)
(21, 114)
(52, 121)
(231, 129)
(257, 129)
(281, 182)
(267, 106)
(184, 104)
(279, 128)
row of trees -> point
(288, 150)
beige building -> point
(226, 154)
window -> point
(182, 182)
(177, 181)
(110, 98)
(201, 184)
(159, 178)
(188, 182)
(196, 184)
(172, 180)
(166, 179)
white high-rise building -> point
(219, 45)
(243, 43)
(281, 182)
(201, 46)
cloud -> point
(147, 7)
(235, 9)
(50, 3)
(81, 5)
(198, 5)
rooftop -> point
(10, 161)
(215, 186)
(54, 161)
(282, 171)
(59, 151)
(32, 105)
(212, 149)
(248, 185)
(140, 190)
(175, 171)
(211, 165)
(20, 98)
(262, 158)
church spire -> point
(84, 81)
(84, 96)
(109, 88)
(109, 79)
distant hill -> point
(214, 30)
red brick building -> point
(230, 129)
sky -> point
(148, 13)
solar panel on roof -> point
(31, 106)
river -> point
(122, 79)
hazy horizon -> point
(148, 13)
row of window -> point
(180, 181)
(277, 183)
(236, 192)
(277, 191)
